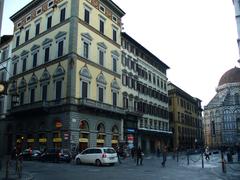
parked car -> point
(98, 156)
(56, 155)
(29, 154)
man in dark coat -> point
(139, 156)
(164, 156)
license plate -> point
(111, 157)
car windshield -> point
(109, 151)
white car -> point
(97, 156)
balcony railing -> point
(44, 105)
(100, 105)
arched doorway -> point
(57, 134)
(84, 135)
(115, 136)
(101, 135)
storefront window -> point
(84, 135)
(115, 136)
(101, 135)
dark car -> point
(56, 155)
(65, 155)
(29, 154)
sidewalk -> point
(11, 171)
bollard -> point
(177, 156)
(7, 164)
(223, 163)
(202, 161)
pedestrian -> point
(164, 156)
(132, 152)
(139, 156)
(158, 152)
(207, 157)
(118, 155)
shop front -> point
(84, 135)
(101, 135)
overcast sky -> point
(196, 38)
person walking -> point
(207, 157)
(164, 156)
(139, 156)
(118, 155)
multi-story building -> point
(66, 74)
(5, 57)
(1, 14)
(145, 98)
(222, 114)
(185, 118)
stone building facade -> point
(185, 119)
(66, 75)
(145, 98)
(222, 114)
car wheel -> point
(78, 161)
(98, 162)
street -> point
(150, 170)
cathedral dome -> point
(231, 76)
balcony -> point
(44, 106)
(99, 105)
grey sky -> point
(196, 38)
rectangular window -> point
(44, 92)
(37, 30)
(24, 61)
(27, 35)
(114, 64)
(35, 60)
(86, 16)
(32, 95)
(21, 98)
(60, 48)
(46, 57)
(100, 94)
(4, 54)
(101, 28)
(62, 14)
(114, 35)
(85, 50)
(114, 98)
(49, 22)
(17, 40)
(15, 69)
(101, 57)
(58, 90)
(84, 89)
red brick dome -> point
(231, 76)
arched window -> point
(115, 91)
(236, 98)
(44, 82)
(101, 135)
(101, 87)
(58, 77)
(84, 135)
(85, 80)
(115, 136)
(32, 84)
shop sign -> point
(58, 124)
(131, 130)
(83, 140)
(30, 140)
(43, 140)
(100, 141)
(57, 139)
(114, 141)
(130, 138)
